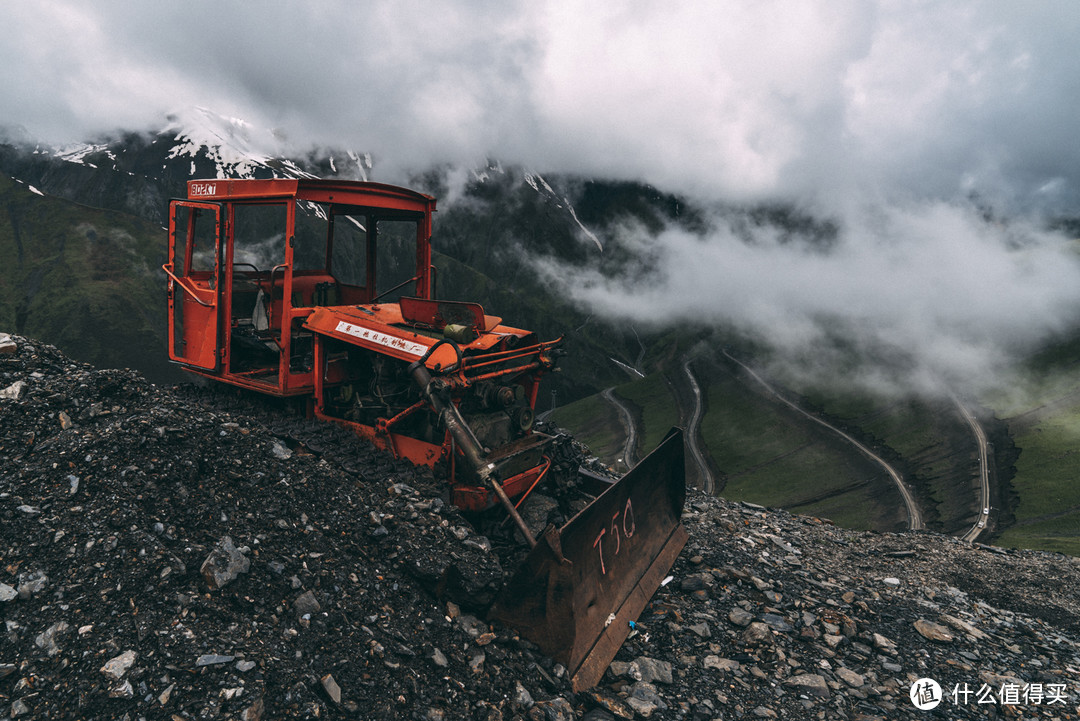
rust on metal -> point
(583, 584)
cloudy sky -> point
(883, 114)
(739, 98)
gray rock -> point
(810, 684)
(739, 617)
(963, 627)
(7, 345)
(696, 582)
(778, 623)
(123, 690)
(245, 666)
(644, 699)
(756, 633)
(882, 643)
(472, 625)
(213, 659)
(641, 707)
(32, 583)
(19, 708)
(116, 667)
(522, 698)
(439, 658)
(701, 629)
(47, 639)
(7, 593)
(15, 391)
(833, 640)
(651, 670)
(331, 687)
(932, 631)
(224, 564)
(721, 664)
(306, 604)
(849, 677)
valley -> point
(90, 223)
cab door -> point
(194, 275)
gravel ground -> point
(172, 553)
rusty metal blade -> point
(580, 587)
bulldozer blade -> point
(579, 590)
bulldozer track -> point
(344, 449)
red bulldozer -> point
(295, 288)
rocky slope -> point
(168, 555)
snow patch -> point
(235, 147)
(77, 152)
(588, 233)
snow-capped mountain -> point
(137, 172)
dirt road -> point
(915, 521)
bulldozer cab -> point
(249, 261)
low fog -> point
(927, 297)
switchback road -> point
(984, 472)
(692, 431)
(629, 455)
(915, 521)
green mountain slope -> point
(85, 280)
(1043, 418)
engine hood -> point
(385, 329)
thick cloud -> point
(886, 116)
(734, 99)
(921, 297)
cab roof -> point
(343, 192)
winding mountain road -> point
(915, 521)
(629, 454)
(692, 432)
(984, 471)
